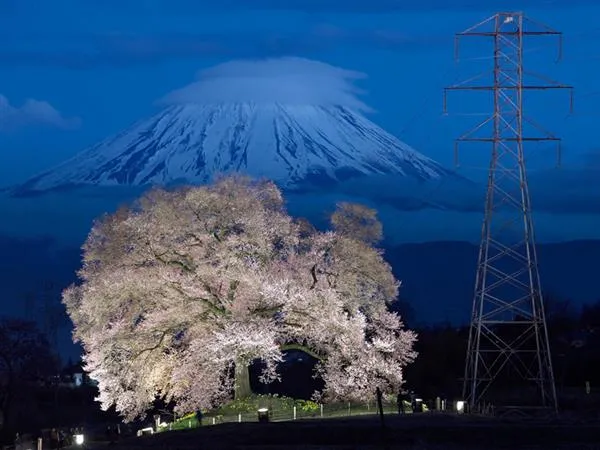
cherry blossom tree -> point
(357, 221)
(181, 291)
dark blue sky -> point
(93, 67)
(73, 72)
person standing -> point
(18, 442)
(400, 401)
(54, 439)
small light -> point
(418, 405)
(143, 431)
(79, 439)
(460, 406)
(263, 415)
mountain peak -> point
(293, 145)
(295, 121)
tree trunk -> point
(242, 381)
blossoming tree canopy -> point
(181, 291)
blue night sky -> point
(73, 72)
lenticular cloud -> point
(286, 81)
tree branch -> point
(265, 311)
(313, 272)
(170, 262)
(151, 349)
(302, 348)
(231, 292)
(218, 310)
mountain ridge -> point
(296, 146)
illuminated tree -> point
(358, 222)
(186, 288)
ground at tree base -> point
(426, 431)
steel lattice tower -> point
(508, 339)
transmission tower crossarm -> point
(521, 88)
(492, 33)
(516, 139)
(526, 27)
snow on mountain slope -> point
(292, 145)
(295, 121)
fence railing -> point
(278, 414)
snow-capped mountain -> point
(294, 145)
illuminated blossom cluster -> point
(182, 287)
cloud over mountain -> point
(33, 112)
(287, 81)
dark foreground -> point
(427, 431)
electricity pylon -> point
(508, 339)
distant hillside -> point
(438, 277)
